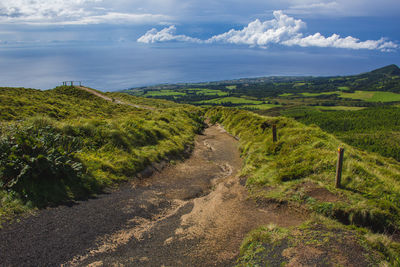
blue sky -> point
(119, 44)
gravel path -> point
(194, 213)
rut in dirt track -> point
(194, 213)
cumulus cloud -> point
(165, 35)
(281, 30)
(335, 40)
(258, 33)
(69, 12)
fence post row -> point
(72, 83)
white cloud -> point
(70, 12)
(335, 40)
(283, 30)
(119, 18)
(258, 33)
(165, 35)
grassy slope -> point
(373, 129)
(60, 103)
(146, 102)
(306, 155)
(67, 144)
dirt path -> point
(194, 213)
(116, 101)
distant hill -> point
(390, 70)
(385, 79)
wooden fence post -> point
(339, 167)
(274, 135)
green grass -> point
(147, 102)
(338, 108)
(343, 88)
(372, 129)
(82, 146)
(317, 94)
(286, 94)
(163, 93)
(317, 240)
(298, 84)
(260, 106)
(183, 92)
(231, 87)
(207, 92)
(372, 96)
(368, 96)
(233, 100)
(60, 103)
(305, 154)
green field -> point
(368, 96)
(163, 93)
(317, 94)
(372, 96)
(338, 108)
(298, 84)
(233, 100)
(260, 106)
(202, 91)
(287, 94)
(181, 92)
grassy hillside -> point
(59, 103)
(67, 144)
(299, 171)
(373, 129)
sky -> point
(120, 44)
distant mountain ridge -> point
(391, 70)
(383, 79)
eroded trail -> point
(194, 213)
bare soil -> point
(320, 193)
(194, 213)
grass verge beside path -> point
(300, 169)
